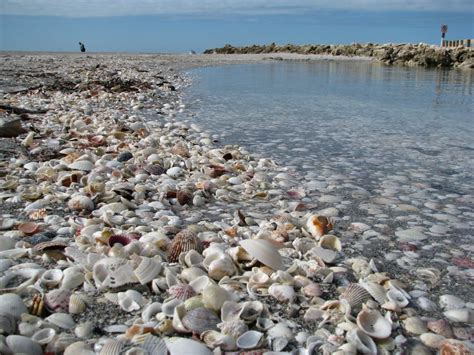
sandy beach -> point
(124, 230)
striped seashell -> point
(57, 300)
(375, 290)
(441, 327)
(355, 294)
(181, 291)
(183, 242)
(52, 244)
(147, 270)
(111, 347)
(200, 319)
(38, 214)
(153, 344)
(77, 304)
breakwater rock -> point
(405, 54)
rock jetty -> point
(406, 54)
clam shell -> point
(441, 327)
(200, 319)
(12, 304)
(330, 242)
(375, 290)
(23, 345)
(183, 242)
(355, 294)
(249, 340)
(374, 324)
(179, 346)
(77, 304)
(44, 336)
(112, 347)
(327, 255)
(282, 293)
(432, 340)
(448, 302)
(79, 348)
(52, 277)
(83, 165)
(463, 315)
(61, 320)
(221, 267)
(72, 277)
(264, 252)
(147, 270)
(362, 341)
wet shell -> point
(147, 270)
(183, 242)
(200, 319)
(374, 324)
(249, 340)
(355, 294)
(318, 226)
(264, 252)
(181, 291)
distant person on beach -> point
(81, 46)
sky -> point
(170, 26)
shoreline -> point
(239, 194)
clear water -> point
(392, 147)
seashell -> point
(130, 300)
(192, 273)
(84, 330)
(432, 340)
(454, 347)
(200, 283)
(355, 294)
(327, 255)
(50, 245)
(280, 330)
(318, 226)
(374, 324)
(122, 239)
(249, 340)
(263, 251)
(397, 297)
(83, 165)
(79, 348)
(282, 293)
(57, 300)
(152, 345)
(426, 304)
(448, 302)
(77, 304)
(200, 319)
(19, 344)
(214, 339)
(430, 275)
(12, 304)
(175, 172)
(330, 242)
(112, 272)
(112, 347)
(29, 228)
(62, 341)
(178, 346)
(441, 327)
(72, 277)
(147, 270)
(193, 258)
(214, 297)
(362, 341)
(415, 325)
(51, 278)
(80, 203)
(169, 306)
(234, 328)
(7, 323)
(7, 223)
(61, 320)
(278, 344)
(375, 290)
(250, 311)
(183, 242)
(463, 315)
(44, 336)
(264, 324)
(181, 292)
(26, 276)
(221, 267)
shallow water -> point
(391, 147)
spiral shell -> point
(183, 242)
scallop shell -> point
(355, 294)
(362, 341)
(200, 319)
(183, 242)
(374, 324)
(77, 304)
(330, 242)
(249, 340)
(61, 320)
(181, 291)
(57, 300)
(318, 225)
(23, 345)
(147, 270)
(264, 252)
(375, 290)
(153, 345)
(112, 347)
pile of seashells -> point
(135, 234)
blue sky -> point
(182, 25)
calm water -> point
(392, 147)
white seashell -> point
(448, 302)
(415, 325)
(80, 203)
(463, 315)
(264, 324)
(278, 344)
(7, 323)
(178, 314)
(214, 297)
(192, 273)
(317, 226)
(231, 311)
(130, 300)
(61, 320)
(169, 305)
(62, 341)
(52, 277)
(112, 272)
(84, 330)
(44, 336)
(77, 304)
(264, 252)
(72, 277)
(355, 294)
(397, 297)
(432, 340)
(362, 341)
(175, 172)
(280, 330)
(19, 344)
(282, 293)
(12, 304)
(221, 267)
(150, 311)
(234, 328)
(214, 339)
(374, 324)
(5, 264)
(28, 273)
(83, 165)
(426, 304)
(375, 290)
(154, 345)
(200, 283)
(13, 253)
(192, 258)
(112, 347)
(327, 255)
(79, 348)
(330, 242)
(249, 340)
(147, 270)
(180, 346)
(250, 311)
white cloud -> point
(92, 8)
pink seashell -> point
(57, 300)
(29, 228)
(181, 291)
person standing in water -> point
(81, 46)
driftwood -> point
(20, 110)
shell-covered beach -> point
(125, 230)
